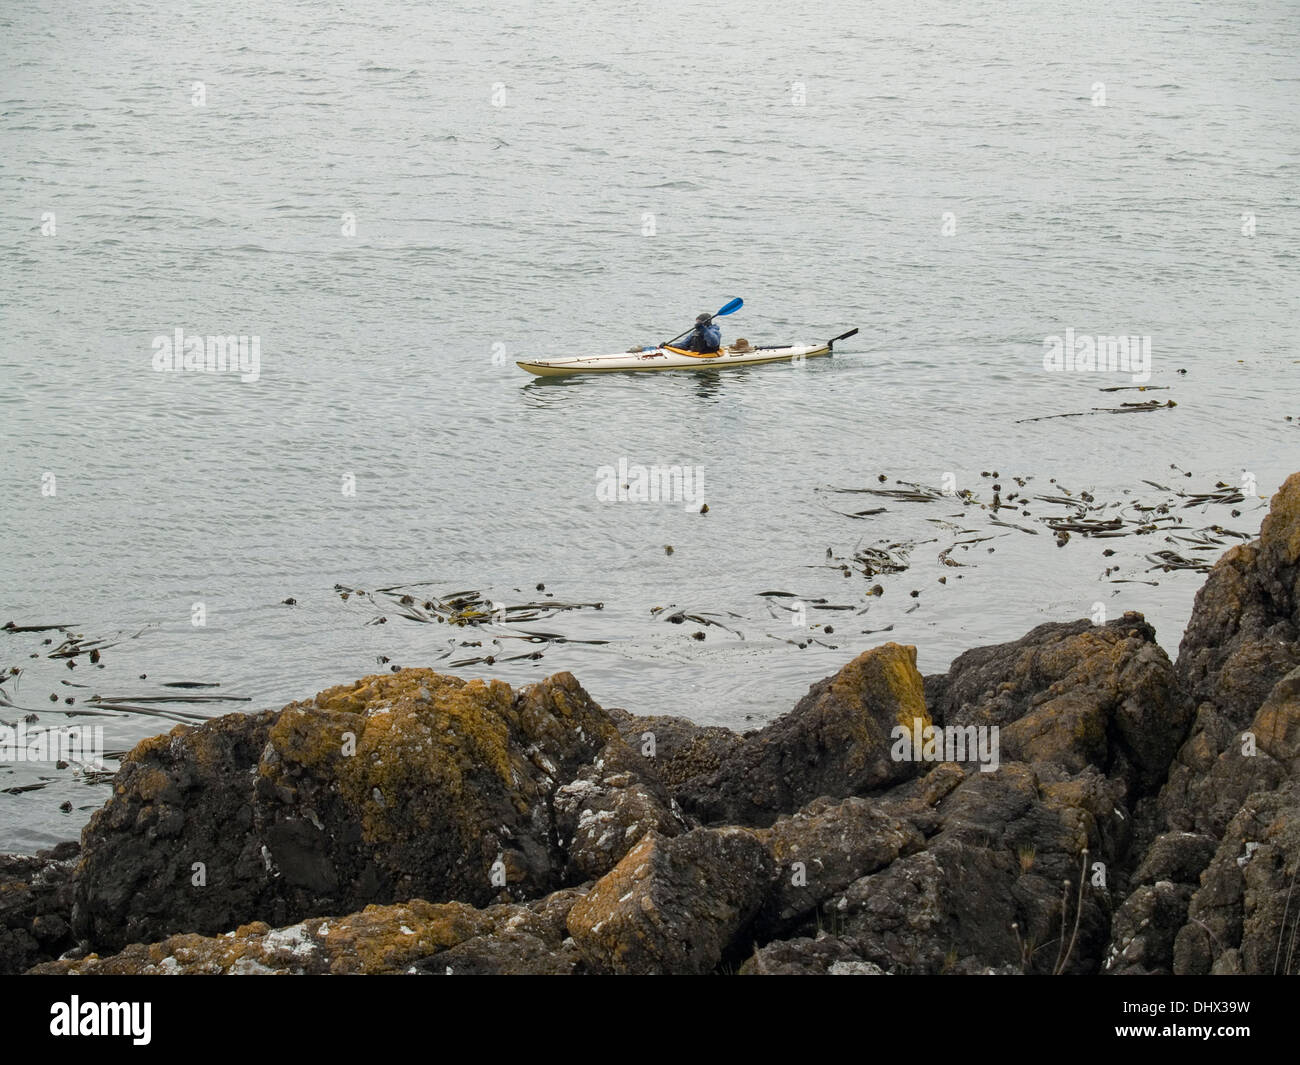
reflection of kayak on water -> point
(667, 357)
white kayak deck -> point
(668, 359)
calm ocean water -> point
(400, 200)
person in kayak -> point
(705, 338)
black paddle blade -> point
(842, 336)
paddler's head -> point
(703, 318)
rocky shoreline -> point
(1143, 816)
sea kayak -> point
(670, 358)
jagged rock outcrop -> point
(607, 808)
(828, 845)
(1074, 693)
(1244, 632)
(400, 786)
(1146, 924)
(1239, 660)
(986, 891)
(835, 742)
(1245, 916)
(35, 906)
(417, 937)
(1242, 640)
(673, 905)
(824, 955)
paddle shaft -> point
(726, 308)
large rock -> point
(415, 937)
(835, 742)
(1245, 917)
(35, 905)
(986, 892)
(606, 809)
(1145, 926)
(1244, 632)
(673, 905)
(1221, 764)
(1243, 639)
(1076, 694)
(824, 955)
(403, 785)
(828, 845)
(1240, 662)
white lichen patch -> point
(573, 794)
(247, 966)
(589, 819)
(855, 968)
(294, 940)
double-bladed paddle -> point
(729, 308)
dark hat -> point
(702, 318)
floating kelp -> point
(461, 608)
(1223, 495)
(160, 705)
(131, 707)
(802, 604)
(1064, 512)
(889, 558)
(807, 641)
(945, 556)
(75, 644)
(883, 557)
(1123, 408)
(1088, 526)
(493, 660)
(474, 610)
(871, 513)
(1171, 560)
(678, 617)
(912, 493)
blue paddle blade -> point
(731, 307)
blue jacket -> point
(703, 338)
